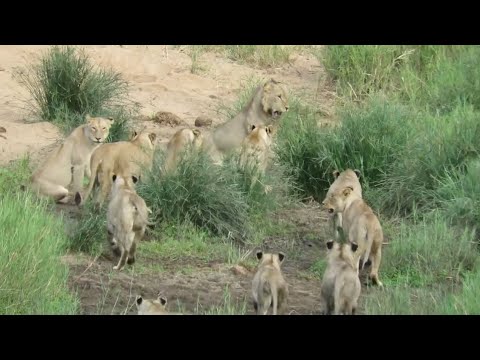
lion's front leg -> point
(78, 174)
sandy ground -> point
(161, 81)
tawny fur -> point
(256, 153)
(340, 284)
(343, 179)
(269, 288)
(153, 307)
(266, 107)
(127, 220)
(181, 141)
(361, 226)
(61, 175)
(126, 158)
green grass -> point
(370, 139)
(410, 123)
(467, 302)
(15, 175)
(404, 300)
(33, 281)
(227, 307)
(64, 85)
(458, 195)
(263, 56)
(400, 71)
(184, 243)
(198, 192)
(90, 233)
(443, 146)
(428, 252)
(318, 268)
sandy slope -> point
(161, 81)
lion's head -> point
(274, 98)
(98, 128)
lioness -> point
(268, 103)
(124, 157)
(179, 142)
(340, 284)
(343, 179)
(127, 220)
(70, 162)
(362, 227)
(269, 288)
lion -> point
(269, 288)
(68, 165)
(256, 151)
(362, 227)
(179, 142)
(340, 284)
(267, 105)
(127, 220)
(153, 307)
(345, 178)
(127, 158)
(256, 147)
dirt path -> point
(106, 292)
(162, 81)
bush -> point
(65, 86)
(427, 252)
(443, 145)
(369, 138)
(199, 192)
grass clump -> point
(34, 280)
(64, 86)
(199, 192)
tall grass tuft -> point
(64, 86)
(90, 233)
(442, 145)
(198, 191)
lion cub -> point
(256, 147)
(127, 219)
(269, 288)
(153, 307)
(256, 152)
(343, 179)
(180, 142)
(362, 227)
(340, 285)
